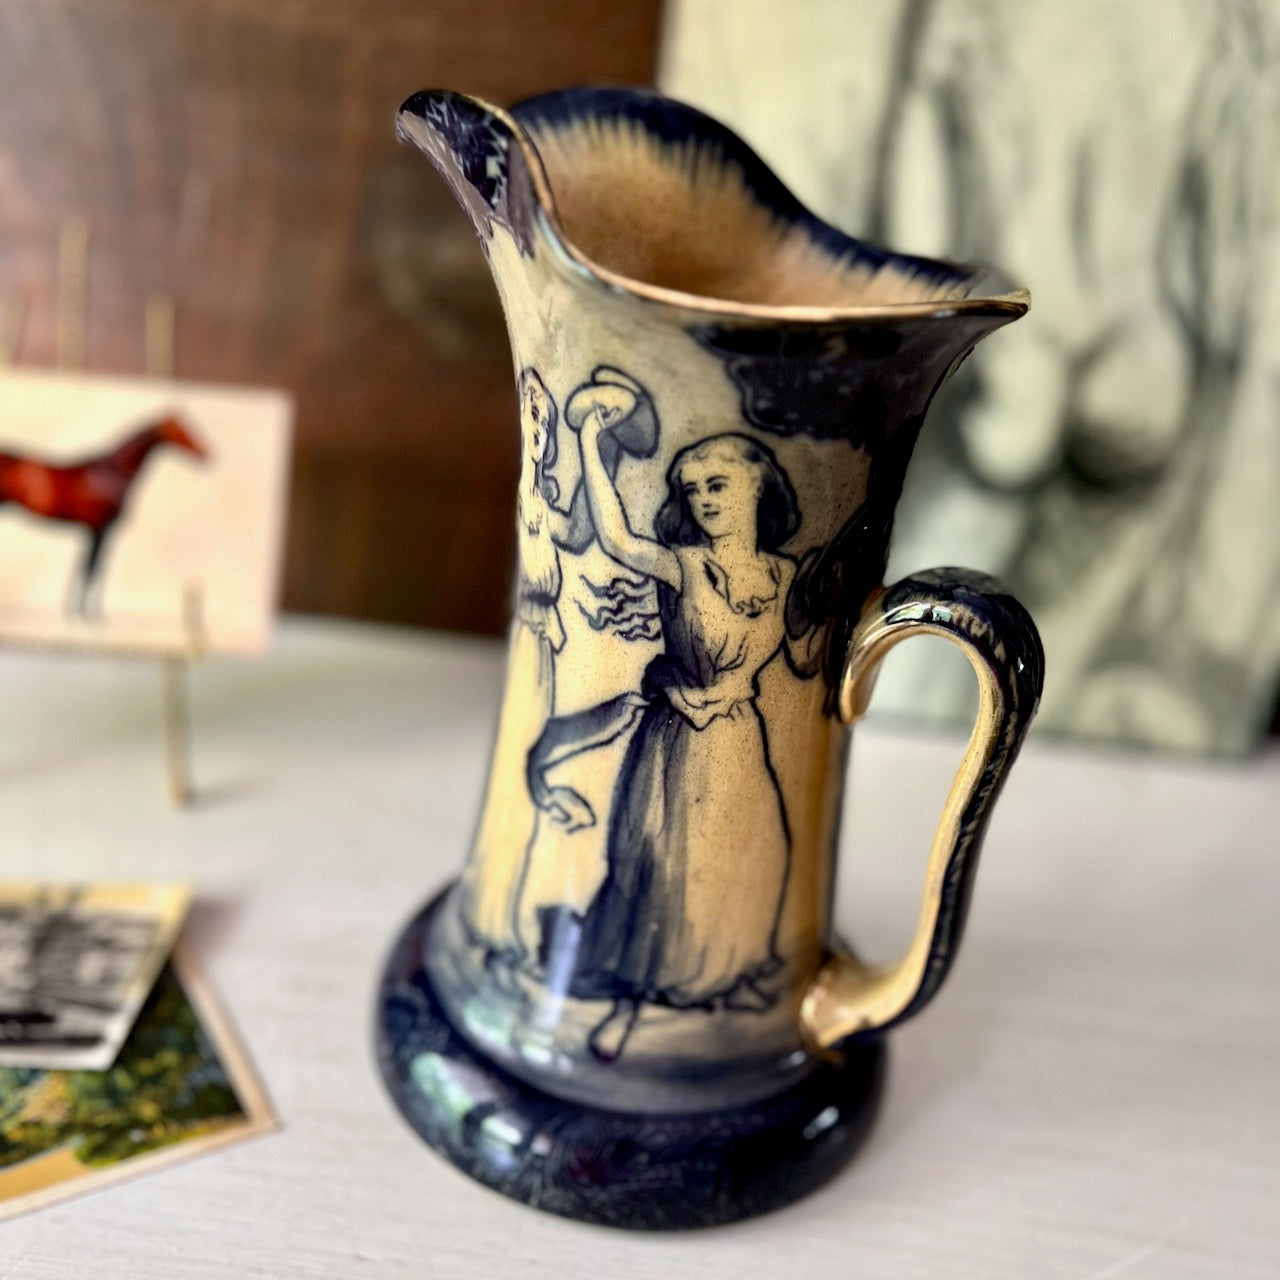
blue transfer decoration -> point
(647, 1171)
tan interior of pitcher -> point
(681, 217)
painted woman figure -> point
(492, 879)
(687, 914)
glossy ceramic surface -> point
(718, 396)
(644, 1172)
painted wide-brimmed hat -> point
(636, 429)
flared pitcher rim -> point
(996, 295)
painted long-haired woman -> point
(491, 882)
(698, 845)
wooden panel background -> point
(239, 156)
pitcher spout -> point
(477, 150)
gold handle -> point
(850, 998)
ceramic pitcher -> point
(631, 1007)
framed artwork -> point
(1114, 457)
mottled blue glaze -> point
(646, 1171)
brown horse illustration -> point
(93, 493)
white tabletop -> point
(1094, 1094)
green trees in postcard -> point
(166, 1085)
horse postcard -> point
(76, 964)
(140, 515)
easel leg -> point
(177, 729)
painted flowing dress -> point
(698, 845)
(491, 883)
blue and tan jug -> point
(630, 1008)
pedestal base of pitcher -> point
(621, 1169)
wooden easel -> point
(159, 320)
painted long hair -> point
(633, 610)
(778, 512)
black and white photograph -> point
(76, 965)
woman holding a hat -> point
(671, 924)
